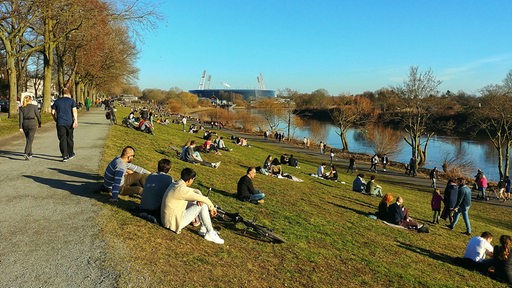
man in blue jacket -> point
(462, 206)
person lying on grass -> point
(245, 188)
(182, 204)
(123, 177)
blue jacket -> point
(464, 198)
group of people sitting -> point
(142, 123)
(495, 261)
(172, 204)
(273, 167)
(370, 188)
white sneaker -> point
(216, 165)
(202, 231)
(213, 237)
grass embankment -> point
(8, 125)
(330, 241)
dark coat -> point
(450, 195)
(395, 214)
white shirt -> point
(477, 248)
(320, 171)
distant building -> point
(247, 94)
(128, 98)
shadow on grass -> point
(428, 253)
(360, 212)
(359, 202)
(206, 190)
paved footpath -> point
(48, 231)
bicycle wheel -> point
(267, 234)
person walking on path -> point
(65, 114)
(29, 119)
(462, 206)
(50, 236)
(351, 164)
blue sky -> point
(340, 46)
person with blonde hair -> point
(29, 121)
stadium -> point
(203, 90)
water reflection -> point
(481, 153)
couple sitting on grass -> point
(481, 256)
(321, 173)
(395, 213)
(370, 188)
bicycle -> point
(256, 230)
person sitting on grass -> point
(372, 188)
(221, 145)
(153, 193)
(292, 161)
(192, 156)
(320, 171)
(359, 185)
(503, 260)
(245, 189)
(382, 212)
(174, 212)
(477, 250)
(399, 215)
(122, 177)
(209, 145)
(332, 175)
(275, 168)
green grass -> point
(9, 126)
(330, 241)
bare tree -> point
(272, 111)
(16, 18)
(494, 117)
(384, 140)
(348, 112)
(415, 93)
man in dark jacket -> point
(245, 188)
(462, 206)
(397, 216)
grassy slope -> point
(8, 125)
(329, 240)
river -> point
(480, 153)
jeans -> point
(464, 211)
(482, 192)
(258, 196)
(194, 211)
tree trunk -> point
(48, 64)
(344, 142)
(13, 89)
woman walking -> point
(29, 121)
